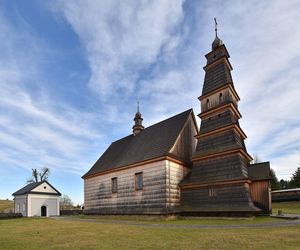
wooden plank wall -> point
(98, 198)
(186, 142)
(160, 192)
(174, 175)
(261, 195)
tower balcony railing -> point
(223, 99)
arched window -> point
(220, 97)
(207, 103)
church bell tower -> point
(218, 182)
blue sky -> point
(72, 71)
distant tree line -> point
(294, 182)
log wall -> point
(160, 193)
(99, 199)
(229, 197)
(174, 175)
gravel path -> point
(282, 223)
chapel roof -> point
(29, 187)
(152, 142)
(259, 171)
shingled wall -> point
(160, 192)
(233, 197)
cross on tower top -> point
(216, 26)
(217, 42)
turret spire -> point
(138, 126)
(216, 28)
(217, 42)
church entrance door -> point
(43, 211)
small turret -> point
(138, 126)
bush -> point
(10, 215)
(70, 212)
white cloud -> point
(121, 37)
(36, 129)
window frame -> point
(114, 188)
(136, 176)
(220, 97)
(212, 192)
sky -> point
(71, 73)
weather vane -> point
(216, 24)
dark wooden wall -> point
(261, 195)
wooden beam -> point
(220, 183)
(229, 106)
(169, 158)
(221, 59)
(223, 129)
(224, 153)
(228, 85)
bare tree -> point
(66, 202)
(256, 159)
(38, 176)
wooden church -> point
(174, 167)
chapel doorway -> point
(43, 211)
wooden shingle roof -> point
(259, 171)
(152, 142)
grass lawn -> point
(288, 207)
(34, 233)
(6, 206)
(140, 219)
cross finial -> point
(216, 28)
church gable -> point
(185, 144)
(37, 187)
(44, 187)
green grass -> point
(6, 206)
(172, 220)
(290, 207)
(58, 234)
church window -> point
(18, 207)
(220, 97)
(23, 207)
(212, 192)
(114, 185)
(139, 181)
(207, 103)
